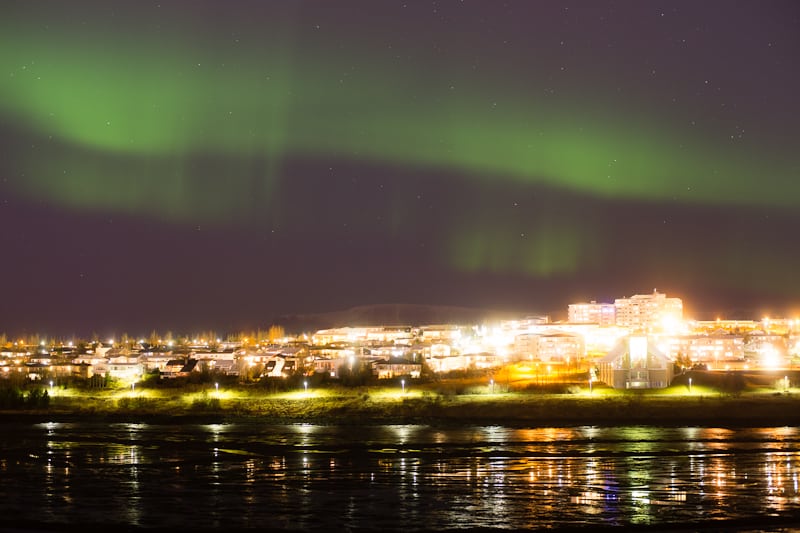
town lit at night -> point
(390, 266)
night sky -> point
(192, 165)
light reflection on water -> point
(393, 477)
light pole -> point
(690, 384)
(51, 387)
(491, 384)
(216, 386)
(591, 380)
(403, 385)
(305, 385)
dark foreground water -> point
(394, 477)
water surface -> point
(407, 477)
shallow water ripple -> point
(306, 477)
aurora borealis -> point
(227, 162)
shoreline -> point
(523, 410)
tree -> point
(427, 373)
(355, 375)
(733, 384)
(247, 339)
(38, 398)
(210, 338)
(275, 333)
(683, 361)
(126, 341)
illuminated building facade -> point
(649, 312)
(713, 349)
(636, 363)
(396, 367)
(592, 313)
(768, 350)
(553, 347)
(363, 335)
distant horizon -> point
(555, 316)
(219, 165)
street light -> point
(403, 384)
(491, 384)
(690, 384)
(51, 386)
(305, 385)
(216, 386)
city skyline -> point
(192, 166)
(643, 313)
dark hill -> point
(390, 315)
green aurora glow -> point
(194, 132)
(148, 99)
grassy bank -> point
(374, 405)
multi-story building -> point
(649, 312)
(595, 339)
(364, 335)
(794, 345)
(712, 349)
(552, 347)
(592, 313)
(768, 350)
(440, 333)
(396, 367)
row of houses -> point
(717, 349)
(637, 364)
(275, 362)
(594, 333)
